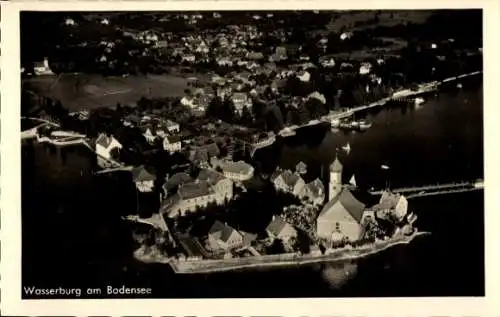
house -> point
(237, 171)
(318, 96)
(190, 58)
(172, 143)
(150, 134)
(240, 101)
(173, 182)
(222, 237)
(304, 76)
(69, 21)
(314, 192)
(278, 228)
(289, 182)
(346, 35)
(209, 187)
(391, 203)
(204, 153)
(172, 127)
(341, 218)
(105, 144)
(42, 68)
(188, 102)
(365, 68)
(143, 179)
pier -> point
(436, 189)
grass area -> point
(84, 91)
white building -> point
(42, 68)
(172, 144)
(172, 127)
(278, 228)
(335, 181)
(391, 203)
(237, 171)
(288, 182)
(210, 187)
(346, 35)
(105, 144)
(341, 218)
(143, 179)
(304, 76)
(222, 237)
(365, 68)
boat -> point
(347, 148)
(353, 181)
(384, 167)
(419, 100)
(364, 125)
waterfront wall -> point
(287, 259)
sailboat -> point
(353, 181)
(347, 148)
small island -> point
(311, 231)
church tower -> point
(335, 180)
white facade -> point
(171, 146)
(43, 69)
(145, 186)
(105, 152)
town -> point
(187, 131)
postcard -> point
(220, 158)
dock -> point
(435, 189)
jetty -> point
(435, 189)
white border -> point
(10, 237)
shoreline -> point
(335, 255)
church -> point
(341, 217)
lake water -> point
(72, 235)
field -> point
(82, 91)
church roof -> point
(347, 200)
(336, 166)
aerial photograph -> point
(252, 154)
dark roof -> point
(173, 139)
(221, 231)
(276, 225)
(210, 176)
(316, 187)
(193, 190)
(248, 237)
(176, 180)
(141, 174)
(290, 178)
(349, 202)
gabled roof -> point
(104, 140)
(141, 174)
(316, 187)
(277, 225)
(290, 178)
(210, 176)
(221, 231)
(336, 166)
(347, 200)
(193, 190)
(176, 180)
